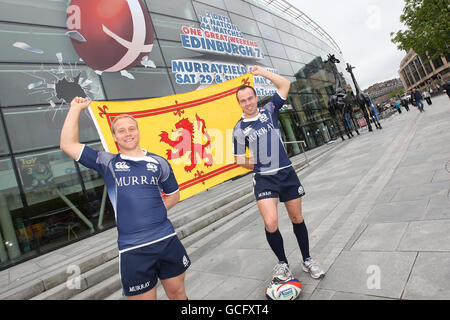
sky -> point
(361, 28)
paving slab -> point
(353, 296)
(426, 236)
(357, 272)
(235, 288)
(399, 211)
(441, 175)
(381, 237)
(422, 191)
(237, 262)
(438, 208)
(430, 277)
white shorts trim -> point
(148, 243)
(274, 170)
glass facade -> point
(47, 200)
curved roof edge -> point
(286, 8)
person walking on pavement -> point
(274, 177)
(404, 103)
(148, 245)
(398, 106)
(427, 96)
(446, 87)
(417, 97)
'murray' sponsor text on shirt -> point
(135, 188)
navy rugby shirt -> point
(262, 136)
(134, 187)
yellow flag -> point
(193, 131)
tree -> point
(428, 26)
(398, 91)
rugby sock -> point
(301, 233)
(276, 243)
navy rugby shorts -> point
(140, 268)
(284, 185)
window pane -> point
(34, 84)
(49, 40)
(214, 3)
(169, 28)
(437, 62)
(11, 208)
(283, 66)
(294, 54)
(269, 32)
(282, 24)
(40, 127)
(59, 209)
(174, 51)
(275, 49)
(288, 39)
(266, 61)
(305, 46)
(239, 7)
(42, 12)
(296, 66)
(95, 188)
(262, 15)
(147, 83)
(245, 25)
(3, 144)
(201, 8)
(178, 8)
(419, 67)
(426, 63)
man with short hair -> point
(148, 245)
(417, 97)
(274, 177)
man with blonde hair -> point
(148, 245)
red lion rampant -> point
(185, 143)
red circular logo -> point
(110, 35)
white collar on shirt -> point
(251, 119)
(144, 158)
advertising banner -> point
(193, 131)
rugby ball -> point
(288, 290)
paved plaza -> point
(377, 209)
(378, 215)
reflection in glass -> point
(3, 145)
(59, 210)
(97, 195)
(11, 209)
(40, 127)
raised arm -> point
(69, 141)
(283, 85)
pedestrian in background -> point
(398, 106)
(446, 87)
(417, 97)
(404, 103)
(427, 97)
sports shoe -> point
(281, 273)
(313, 268)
